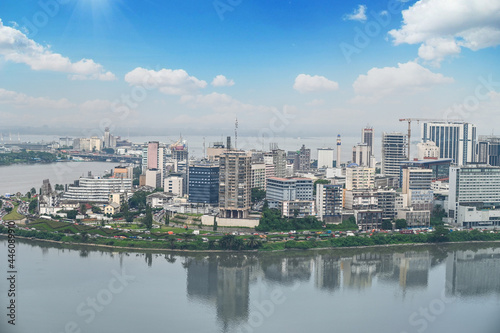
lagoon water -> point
(454, 288)
(22, 177)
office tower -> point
(415, 179)
(325, 158)
(234, 184)
(393, 153)
(277, 158)
(455, 140)
(179, 150)
(96, 189)
(488, 151)
(152, 155)
(361, 155)
(288, 189)
(474, 186)
(387, 202)
(339, 144)
(367, 137)
(328, 202)
(204, 183)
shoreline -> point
(131, 249)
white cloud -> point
(358, 14)
(316, 102)
(305, 83)
(15, 46)
(407, 78)
(20, 100)
(168, 81)
(443, 27)
(222, 81)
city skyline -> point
(296, 68)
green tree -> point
(85, 237)
(253, 242)
(440, 234)
(167, 218)
(71, 214)
(1, 203)
(33, 191)
(83, 209)
(386, 225)
(215, 223)
(401, 224)
(138, 200)
(148, 219)
(33, 206)
(258, 195)
(28, 194)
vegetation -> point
(271, 220)
(33, 206)
(437, 215)
(138, 200)
(27, 157)
(386, 225)
(13, 214)
(258, 195)
(148, 219)
(401, 224)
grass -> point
(14, 215)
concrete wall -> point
(225, 222)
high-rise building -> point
(415, 179)
(329, 202)
(339, 144)
(456, 140)
(474, 185)
(234, 184)
(359, 178)
(204, 183)
(488, 150)
(361, 155)
(301, 159)
(152, 155)
(367, 137)
(288, 189)
(258, 175)
(174, 184)
(393, 153)
(325, 158)
(96, 189)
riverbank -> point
(262, 250)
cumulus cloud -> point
(305, 83)
(443, 27)
(16, 47)
(20, 100)
(358, 14)
(406, 78)
(168, 81)
(222, 81)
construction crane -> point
(409, 120)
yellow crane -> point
(409, 120)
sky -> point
(281, 68)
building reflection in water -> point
(473, 273)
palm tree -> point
(253, 242)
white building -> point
(473, 185)
(96, 189)
(455, 140)
(427, 150)
(325, 158)
(359, 178)
(174, 185)
(258, 174)
(153, 178)
(393, 153)
(329, 202)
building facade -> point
(204, 183)
(393, 153)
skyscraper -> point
(367, 137)
(455, 140)
(234, 184)
(339, 144)
(393, 153)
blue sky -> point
(304, 68)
